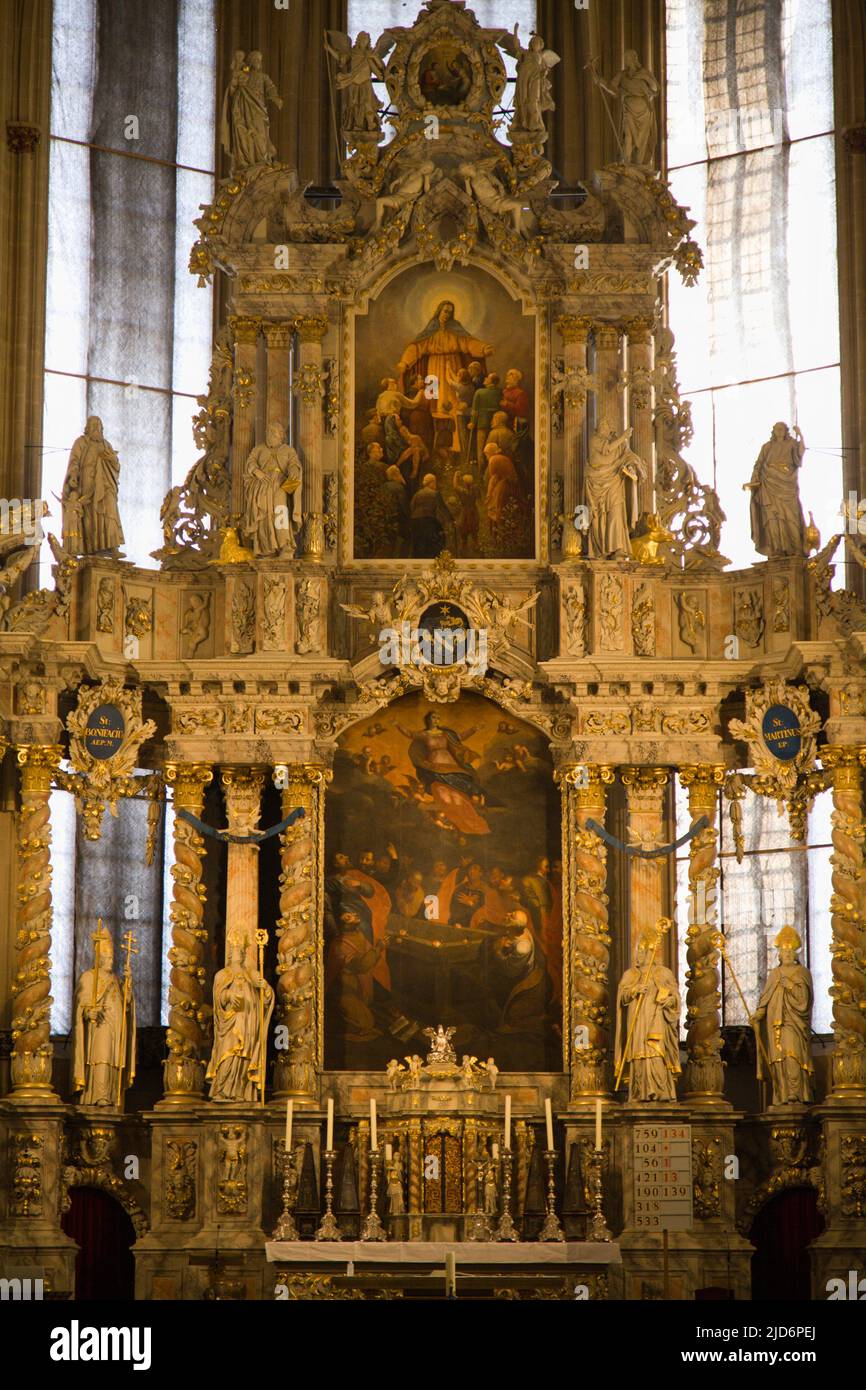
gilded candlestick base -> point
(373, 1228)
(479, 1227)
(598, 1227)
(506, 1229)
(329, 1230)
(551, 1230)
(285, 1228)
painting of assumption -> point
(444, 454)
(443, 888)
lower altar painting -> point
(443, 889)
(444, 410)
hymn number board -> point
(663, 1177)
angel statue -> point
(533, 92)
(12, 571)
(440, 1044)
(379, 615)
(505, 613)
(490, 192)
(362, 65)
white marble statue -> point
(407, 188)
(272, 477)
(91, 520)
(783, 1022)
(533, 93)
(647, 1027)
(361, 65)
(245, 123)
(612, 473)
(103, 1042)
(490, 192)
(638, 91)
(239, 1039)
(778, 528)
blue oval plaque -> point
(781, 731)
(104, 733)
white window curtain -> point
(128, 333)
(751, 153)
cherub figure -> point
(393, 1071)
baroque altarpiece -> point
(440, 613)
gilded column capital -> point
(189, 781)
(573, 328)
(244, 329)
(639, 331)
(607, 335)
(298, 782)
(645, 781)
(844, 762)
(242, 787)
(702, 780)
(278, 335)
(21, 138)
(310, 328)
(38, 762)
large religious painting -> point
(444, 420)
(443, 888)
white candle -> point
(450, 1273)
(329, 1142)
(290, 1105)
(374, 1137)
(598, 1123)
(508, 1122)
(495, 1149)
(548, 1118)
(388, 1153)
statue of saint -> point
(245, 124)
(637, 89)
(239, 1038)
(612, 473)
(362, 65)
(272, 476)
(647, 1027)
(783, 1022)
(778, 527)
(91, 520)
(396, 1200)
(103, 1047)
(533, 93)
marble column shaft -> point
(309, 387)
(704, 1071)
(646, 789)
(848, 909)
(245, 332)
(187, 1034)
(639, 377)
(278, 337)
(608, 360)
(242, 789)
(31, 1008)
(574, 331)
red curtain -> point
(104, 1267)
(782, 1233)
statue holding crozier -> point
(103, 1052)
(243, 1002)
(647, 1025)
(783, 1023)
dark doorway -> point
(782, 1232)
(104, 1266)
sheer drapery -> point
(128, 333)
(751, 153)
(778, 883)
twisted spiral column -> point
(848, 946)
(31, 1004)
(183, 1071)
(588, 956)
(298, 1004)
(705, 1077)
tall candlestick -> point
(598, 1123)
(508, 1122)
(548, 1118)
(329, 1142)
(389, 1153)
(290, 1106)
(374, 1138)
